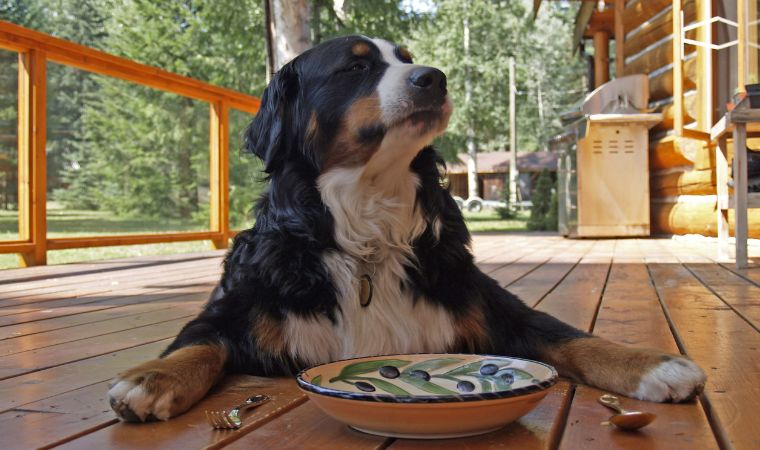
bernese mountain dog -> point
(358, 249)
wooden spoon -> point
(625, 420)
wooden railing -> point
(35, 49)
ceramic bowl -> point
(428, 395)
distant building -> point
(493, 168)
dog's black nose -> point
(428, 78)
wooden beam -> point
(654, 30)
(677, 72)
(663, 85)
(619, 38)
(704, 66)
(219, 174)
(741, 50)
(640, 11)
(32, 160)
(601, 58)
(17, 38)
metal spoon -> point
(625, 420)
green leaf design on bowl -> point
(317, 381)
(360, 368)
(386, 386)
(426, 386)
(432, 364)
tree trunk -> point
(513, 174)
(288, 25)
(472, 164)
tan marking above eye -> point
(404, 54)
(360, 49)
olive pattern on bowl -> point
(443, 376)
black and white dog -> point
(359, 250)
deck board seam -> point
(715, 423)
(716, 294)
(562, 279)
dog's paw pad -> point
(134, 402)
(675, 379)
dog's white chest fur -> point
(374, 232)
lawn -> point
(64, 223)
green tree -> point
(543, 214)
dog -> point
(359, 249)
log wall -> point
(682, 170)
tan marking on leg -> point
(268, 335)
(167, 386)
(471, 333)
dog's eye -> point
(357, 67)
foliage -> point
(137, 152)
(507, 211)
(543, 214)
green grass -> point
(489, 220)
(66, 223)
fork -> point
(230, 419)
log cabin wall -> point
(682, 169)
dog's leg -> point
(517, 330)
(168, 386)
(641, 373)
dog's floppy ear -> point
(267, 135)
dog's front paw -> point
(675, 379)
(144, 393)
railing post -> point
(677, 68)
(219, 173)
(32, 160)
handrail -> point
(19, 39)
(35, 49)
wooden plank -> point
(93, 318)
(721, 342)
(27, 293)
(32, 164)
(657, 57)
(50, 274)
(308, 427)
(512, 253)
(32, 387)
(510, 273)
(18, 38)
(72, 307)
(49, 305)
(190, 430)
(738, 293)
(538, 283)
(56, 355)
(630, 313)
(219, 189)
(24, 344)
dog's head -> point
(349, 102)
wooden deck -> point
(65, 331)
